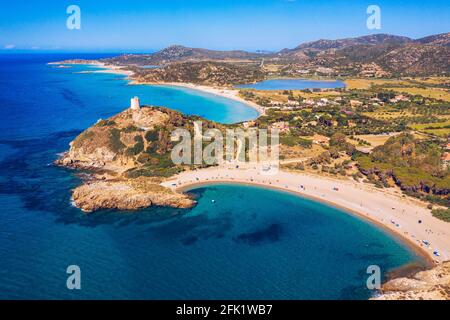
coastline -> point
(380, 208)
(108, 68)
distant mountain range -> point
(375, 55)
(371, 40)
(379, 55)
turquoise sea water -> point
(250, 243)
(293, 84)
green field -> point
(441, 129)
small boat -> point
(425, 242)
(436, 253)
(213, 201)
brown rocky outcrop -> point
(126, 195)
(433, 284)
(127, 157)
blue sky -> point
(147, 25)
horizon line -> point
(31, 49)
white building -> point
(135, 103)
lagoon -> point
(293, 84)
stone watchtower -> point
(135, 103)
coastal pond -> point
(293, 84)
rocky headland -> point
(126, 157)
(433, 284)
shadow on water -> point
(407, 270)
(350, 292)
(71, 97)
(270, 234)
(190, 229)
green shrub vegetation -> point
(415, 165)
(105, 123)
(156, 166)
(138, 146)
(114, 140)
(292, 141)
(443, 214)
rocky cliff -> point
(431, 284)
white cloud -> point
(10, 46)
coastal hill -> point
(325, 44)
(379, 55)
(128, 156)
(431, 284)
(376, 55)
(177, 53)
(442, 39)
(203, 72)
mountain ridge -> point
(376, 55)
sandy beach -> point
(107, 68)
(387, 207)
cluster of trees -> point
(414, 165)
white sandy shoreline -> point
(384, 207)
(106, 68)
(110, 69)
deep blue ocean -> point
(293, 84)
(250, 243)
